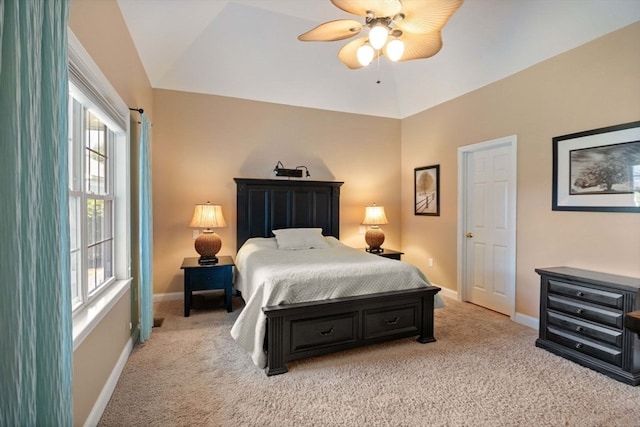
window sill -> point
(91, 315)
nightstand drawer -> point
(596, 296)
(610, 317)
(208, 278)
(324, 331)
(391, 321)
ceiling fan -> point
(401, 30)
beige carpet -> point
(484, 370)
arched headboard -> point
(264, 205)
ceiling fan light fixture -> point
(400, 30)
(378, 35)
(365, 54)
(395, 49)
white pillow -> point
(300, 238)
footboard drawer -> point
(395, 320)
(323, 331)
(299, 330)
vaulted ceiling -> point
(249, 49)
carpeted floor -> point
(484, 370)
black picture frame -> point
(597, 170)
(426, 186)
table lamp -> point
(374, 216)
(208, 243)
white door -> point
(487, 232)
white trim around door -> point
(464, 155)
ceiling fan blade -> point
(349, 53)
(332, 31)
(425, 16)
(382, 8)
(420, 46)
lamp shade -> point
(207, 216)
(374, 215)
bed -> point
(305, 321)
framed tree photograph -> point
(598, 170)
(427, 190)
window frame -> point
(88, 83)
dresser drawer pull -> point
(325, 333)
(579, 311)
(392, 322)
(579, 346)
(580, 294)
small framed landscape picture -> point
(427, 190)
(597, 170)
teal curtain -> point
(36, 347)
(145, 222)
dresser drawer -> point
(602, 352)
(596, 296)
(586, 329)
(391, 321)
(323, 331)
(606, 316)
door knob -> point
(469, 235)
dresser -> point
(582, 319)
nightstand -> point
(389, 253)
(205, 277)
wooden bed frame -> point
(301, 330)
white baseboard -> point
(446, 292)
(103, 399)
(520, 318)
(172, 296)
(529, 321)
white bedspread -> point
(267, 276)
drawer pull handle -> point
(580, 294)
(579, 346)
(325, 333)
(392, 322)
(579, 311)
(579, 329)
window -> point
(91, 200)
(99, 192)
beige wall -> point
(95, 358)
(593, 86)
(102, 31)
(202, 142)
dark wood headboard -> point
(264, 205)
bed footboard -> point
(296, 331)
